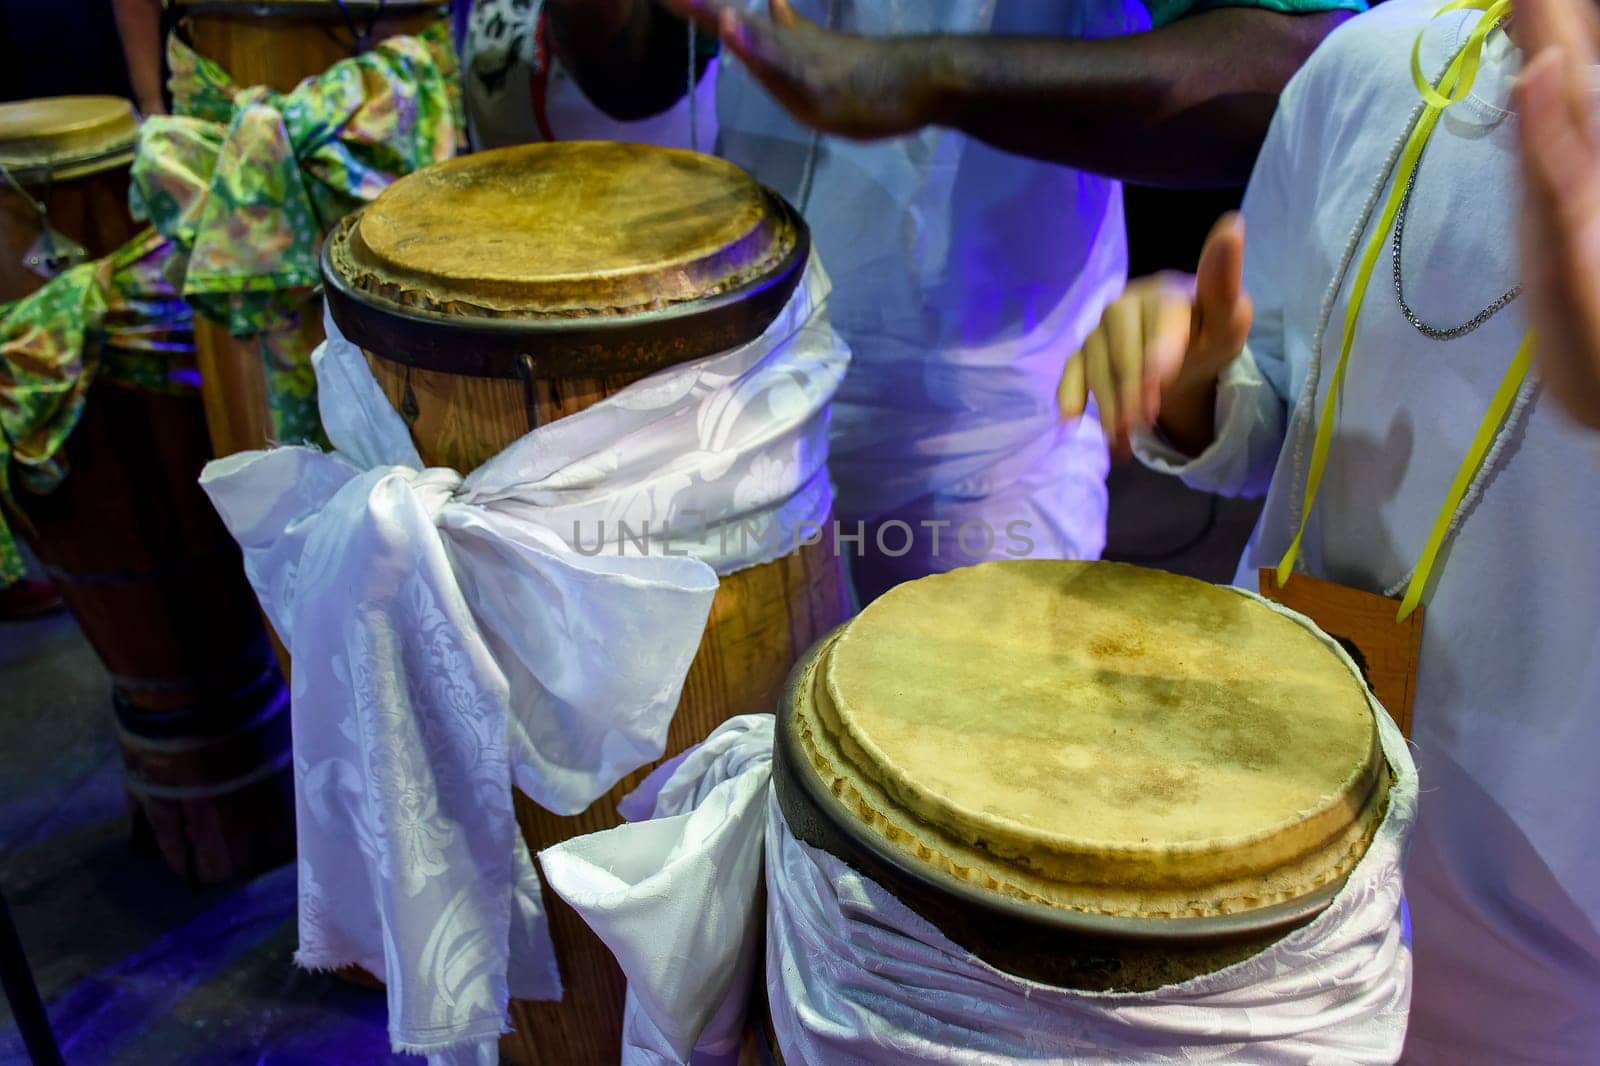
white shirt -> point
(964, 278)
(1504, 876)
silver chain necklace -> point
(1435, 332)
(1302, 426)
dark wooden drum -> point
(145, 565)
(277, 44)
(63, 187)
(707, 259)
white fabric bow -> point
(854, 976)
(451, 636)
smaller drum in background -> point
(277, 44)
(63, 185)
(648, 258)
(1091, 776)
(144, 564)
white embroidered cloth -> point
(452, 635)
(856, 977)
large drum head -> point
(1089, 774)
(584, 257)
(61, 137)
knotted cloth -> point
(117, 320)
(453, 636)
(247, 180)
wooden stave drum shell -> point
(762, 620)
(277, 45)
(280, 44)
(201, 708)
(211, 788)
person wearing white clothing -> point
(1387, 274)
(964, 275)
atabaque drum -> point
(63, 185)
(503, 291)
(1091, 776)
(144, 564)
(278, 44)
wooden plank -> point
(1386, 651)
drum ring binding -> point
(484, 346)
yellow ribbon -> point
(1453, 86)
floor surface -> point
(137, 969)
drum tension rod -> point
(59, 251)
(529, 405)
(408, 403)
(362, 34)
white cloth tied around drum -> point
(452, 636)
(855, 976)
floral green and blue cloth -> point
(247, 180)
(118, 320)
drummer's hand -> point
(863, 87)
(1160, 346)
(1561, 216)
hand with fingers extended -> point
(1160, 346)
(840, 83)
(1560, 220)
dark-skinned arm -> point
(1188, 103)
(139, 28)
(1185, 104)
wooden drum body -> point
(471, 376)
(156, 583)
(148, 570)
(278, 44)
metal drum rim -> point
(1014, 916)
(511, 348)
(67, 168)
